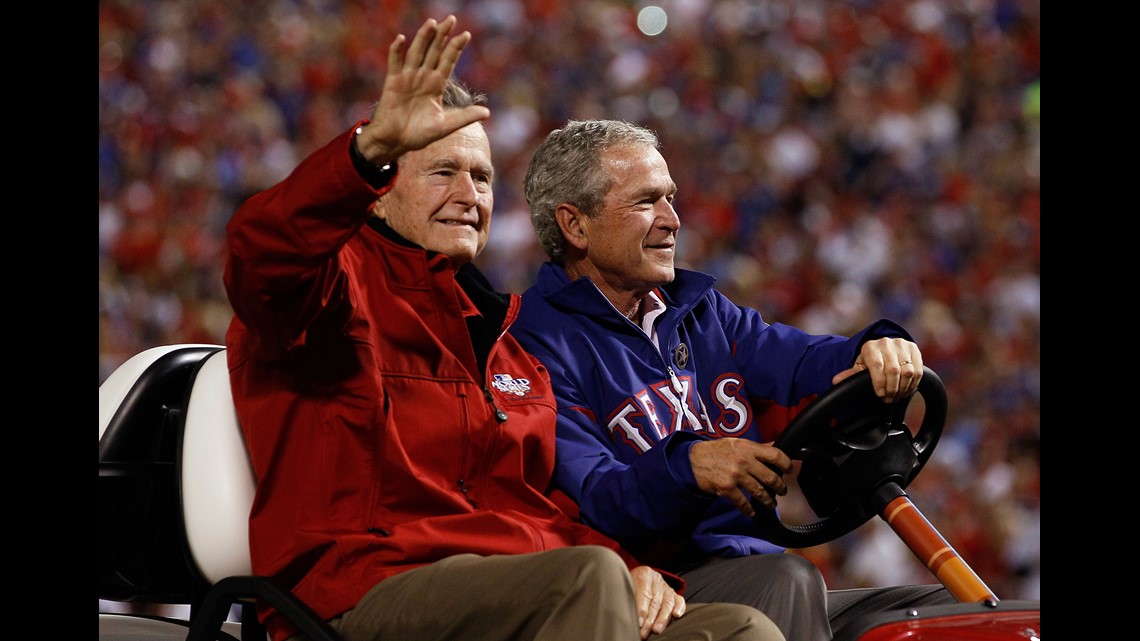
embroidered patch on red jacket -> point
(508, 384)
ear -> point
(378, 209)
(574, 225)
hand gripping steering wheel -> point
(857, 454)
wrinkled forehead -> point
(466, 147)
(637, 167)
(633, 158)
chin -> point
(460, 254)
(459, 249)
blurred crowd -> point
(837, 161)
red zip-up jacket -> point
(378, 442)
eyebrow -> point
(653, 190)
(451, 163)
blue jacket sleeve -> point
(785, 366)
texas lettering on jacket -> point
(669, 405)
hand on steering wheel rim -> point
(852, 445)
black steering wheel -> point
(857, 455)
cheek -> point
(627, 237)
(483, 228)
(403, 220)
(407, 215)
(616, 250)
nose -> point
(667, 216)
(464, 189)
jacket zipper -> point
(501, 417)
(463, 489)
(676, 384)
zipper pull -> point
(500, 415)
(694, 421)
(676, 382)
(463, 489)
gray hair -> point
(457, 96)
(567, 168)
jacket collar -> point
(581, 296)
(490, 303)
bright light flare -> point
(652, 20)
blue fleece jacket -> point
(628, 412)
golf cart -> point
(175, 489)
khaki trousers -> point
(580, 593)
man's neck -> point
(627, 302)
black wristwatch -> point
(376, 176)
